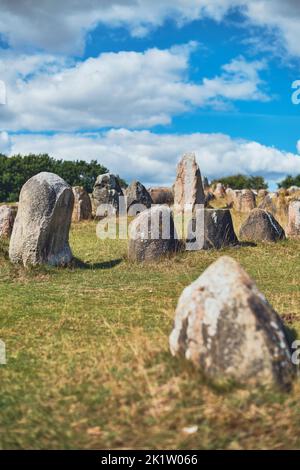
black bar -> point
(151, 458)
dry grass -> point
(88, 360)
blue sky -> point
(135, 84)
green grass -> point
(88, 360)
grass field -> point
(88, 364)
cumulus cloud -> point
(130, 89)
(5, 143)
(31, 23)
(152, 158)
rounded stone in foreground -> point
(41, 230)
(226, 327)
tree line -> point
(16, 170)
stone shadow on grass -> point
(79, 264)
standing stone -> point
(227, 328)
(188, 189)
(245, 201)
(293, 189)
(230, 196)
(262, 193)
(136, 193)
(162, 196)
(220, 192)
(205, 183)
(7, 220)
(107, 190)
(41, 230)
(152, 235)
(82, 205)
(261, 226)
(213, 231)
(293, 229)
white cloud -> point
(32, 23)
(129, 89)
(152, 158)
(5, 143)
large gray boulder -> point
(152, 235)
(107, 190)
(261, 226)
(7, 220)
(41, 230)
(213, 229)
(226, 327)
(82, 205)
(137, 194)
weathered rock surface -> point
(293, 229)
(7, 220)
(214, 230)
(245, 201)
(82, 205)
(188, 188)
(107, 190)
(152, 235)
(41, 230)
(226, 327)
(162, 196)
(276, 203)
(293, 190)
(220, 191)
(262, 193)
(136, 193)
(261, 226)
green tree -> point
(243, 182)
(16, 170)
(290, 181)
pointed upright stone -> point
(261, 226)
(293, 229)
(188, 188)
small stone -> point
(136, 193)
(216, 233)
(152, 235)
(82, 205)
(261, 226)
(162, 196)
(107, 190)
(7, 220)
(245, 201)
(220, 192)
